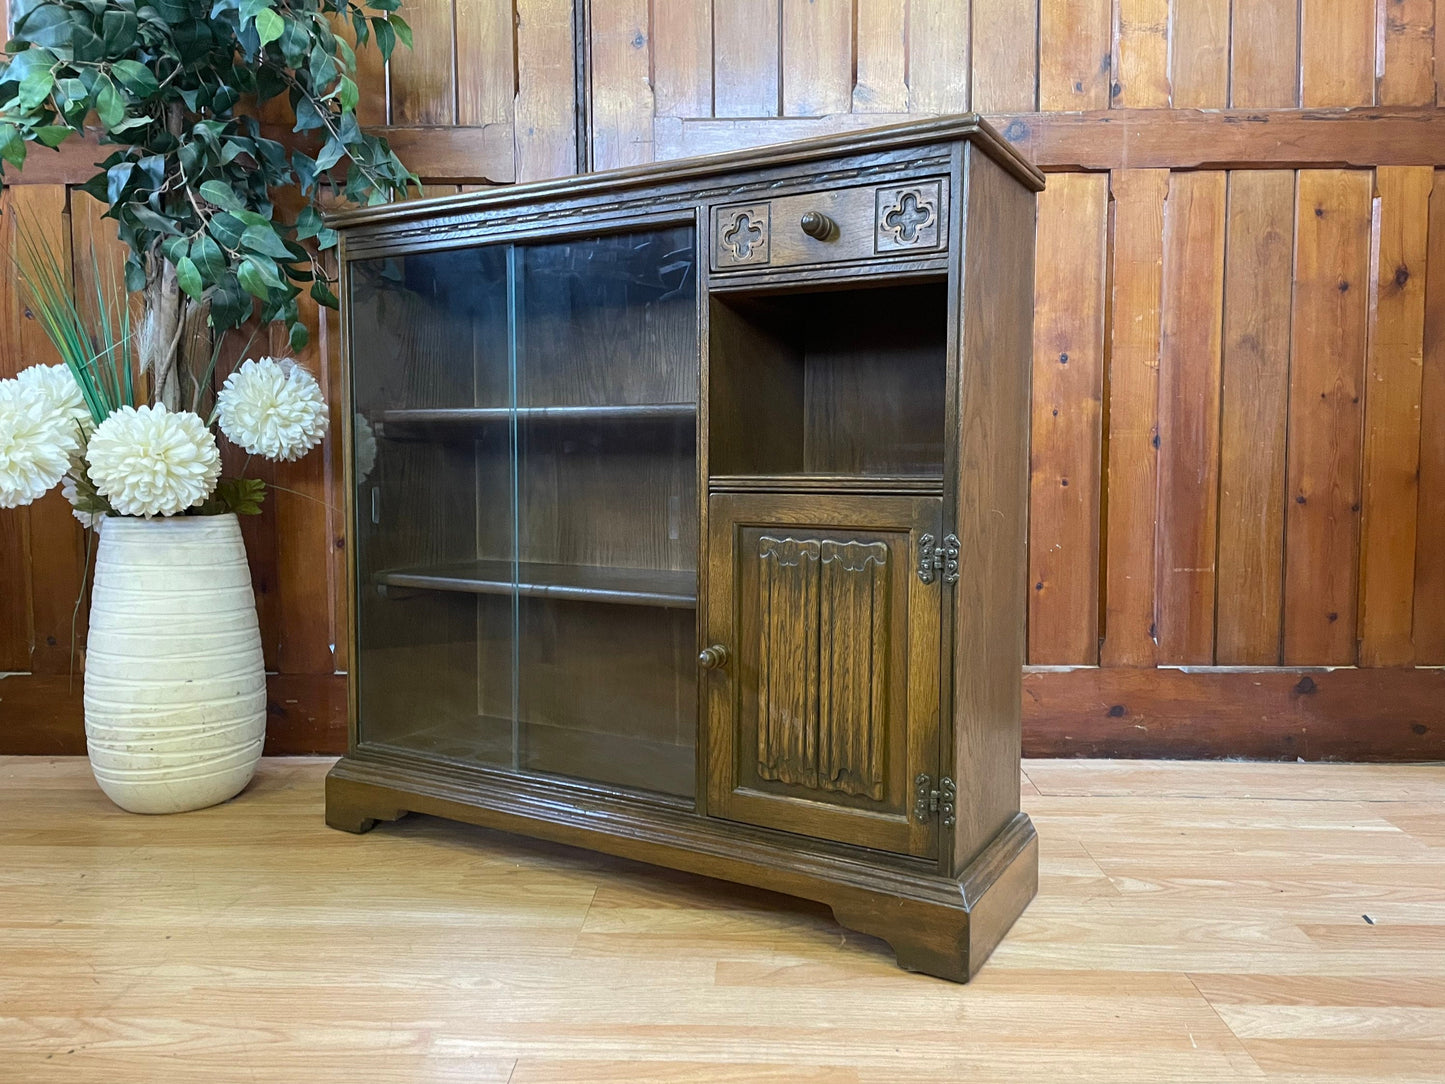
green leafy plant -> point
(177, 87)
(98, 353)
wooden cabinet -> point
(687, 521)
(823, 686)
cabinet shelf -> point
(931, 484)
(667, 588)
(441, 421)
(489, 740)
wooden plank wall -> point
(1237, 543)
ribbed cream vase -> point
(175, 690)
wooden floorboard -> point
(1195, 923)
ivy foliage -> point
(176, 87)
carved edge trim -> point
(367, 239)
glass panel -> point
(431, 371)
(606, 515)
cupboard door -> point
(823, 666)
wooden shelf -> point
(826, 483)
(668, 588)
(457, 420)
(641, 763)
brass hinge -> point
(935, 557)
(928, 801)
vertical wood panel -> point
(370, 75)
(1005, 62)
(817, 57)
(1138, 261)
(1337, 52)
(1327, 368)
(423, 84)
(1392, 416)
(486, 70)
(15, 600)
(1257, 280)
(937, 56)
(1264, 41)
(621, 94)
(745, 58)
(1201, 54)
(1141, 54)
(1429, 619)
(1070, 277)
(57, 543)
(96, 250)
(1074, 54)
(546, 93)
(298, 520)
(1186, 524)
(1406, 51)
(682, 57)
(881, 51)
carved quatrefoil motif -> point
(742, 236)
(908, 216)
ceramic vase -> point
(175, 689)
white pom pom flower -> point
(272, 408)
(35, 444)
(56, 384)
(149, 461)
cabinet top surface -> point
(968, 127)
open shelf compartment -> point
(829, 384)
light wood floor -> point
(1195, 923)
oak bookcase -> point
(688, 519)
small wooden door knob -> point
(713, 658)
(817, 224)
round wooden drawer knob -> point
(817, 224)
(713, 658)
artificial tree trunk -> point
(175, 337)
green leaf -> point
(242, 496)
(109, 104)
(321, 293)
(263, 239)
(12, 146)
(222, 195)
(385, 36)
(188, 278)
(308, 222)
(298, 337)
(35, 88)
(209, 260)
(135, 274)
(227, 229)
(402, 28)
(269, 26)
(136, 78)
(346, 93)
(258, 276)
(51, 135)
(330, 154)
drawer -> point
(835, 225)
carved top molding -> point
(965, 127)
(471, 227)
(852, 555)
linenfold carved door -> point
(823, 683)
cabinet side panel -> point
(995, 336)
